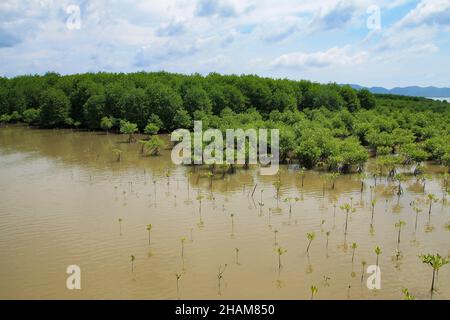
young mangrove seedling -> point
(289, 201)
(431, 198)
(435, 261)
(362, 176)
(237, 255)
(280, 251)
(325, 280)
(353, 246)
(210, 177)
(120, 226)
(399, 225)
(313, 291)
(332, 177)
(321, 225)
(302, 175)
(407, 295)
(168, 174)
(310, 236)
(377, 252)
(328, 235)
(220, 274)
(199, 198)
(132, 258)
(347, 209)
(277, 184)
(118, 154)
(183, 240)
(417, 210)
(363, 263)
(178, 276)
(374, 201)
(423, 179)
(149, 229)
(399, 178)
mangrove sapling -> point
(178, 276)
(332, 177)
(154, 145)
(431, 198)
(436, 262)
(220, 274)
(199, 198)
(362, 176)
(399, 225)
(325, 281)
(399, 178)
(118, 154)
(327, 235)
(348, 209)
(142, 143)
(289, 201)
(377, 252)
(407, 295)
(154, 190)
(302, 175)
(334, 214)
(423, 178)
(120, 226)
(445, 179)
(280, 251)
(310, 236)
(353, 246)
(232, 224)
(374, 176)
(277, 184)
(374, 201)
(363, 263)
(132, 258)
(128, 128)
(168, 174)
(321, 225)
(149, 229)
(313, 291)
(183, 240)
(210, 176)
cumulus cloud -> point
(238, 36)
(416, 33)
(215, 7)
(173, 28)
(334, 17)
(432, 13)
(320, 59)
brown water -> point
(62, 193)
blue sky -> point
(320, 40)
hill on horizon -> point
(428, 92)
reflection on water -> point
(62, 194)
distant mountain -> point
(431, 92)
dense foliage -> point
(330, 125)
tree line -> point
(320, 124)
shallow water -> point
(62, 193)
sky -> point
(368, 42)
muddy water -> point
(62, 194)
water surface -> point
(62, 193)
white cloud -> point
(321, 59)
(433, 13)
